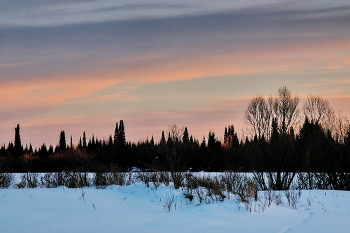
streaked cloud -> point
(154, 63)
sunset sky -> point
(84, 65)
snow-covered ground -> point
(137, 208)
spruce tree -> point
(30, 148)
(203, 144)
(116, 133)
(162, 140)
(121, 134)
(71, 142)
(43, 151)
(191, 139)
(110, 140)
(185, 138)
(211, 140)
(50, 151)
(80, 144)
(18, 149)
(62, 143)
(84, 140)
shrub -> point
(177, 178)
(6, 180)
(28, 180)
(52, 180)
(76, 179)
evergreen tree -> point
(62, 143)
(191, 139)
(93, 142)
(162, 140)
(18, 149)
(203, 144)
(30, 150)
(84, 140)
(116, 133)
(71, 142)
(43, 151)
(170, 140)
(121, 134)
(212, 142)
(80, 144)
(230, 137)
(50, 151)
(110, 140)
(185, 138)
(275, 131)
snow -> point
(137, 208)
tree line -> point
(281, 136)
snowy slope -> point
(137, 208)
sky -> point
(84, 65)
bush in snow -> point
(6, 180)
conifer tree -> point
(121, 134)
(203, 144)
(93, 143)
(116, 133)
(18, 149)
(30, 150)
(62, 143)
(110, 140)
(170, 140)
(84, 140)
(80, 144)
(162, 140)
(230, 137)
(71, 142)
(185, 138)
(43, 151)
(191, 139)
(152, 141)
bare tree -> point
(285, 109)
(282, 110)
(318, 110)
(341, 127)
(260, 112)
(174, 143)
(257, 117)
(175, 133)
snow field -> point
(137, 208)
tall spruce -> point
(84, 140)
(71, 142)
(116, 133)
(163, 140)
(121, 134)
(62, 143)
(30, 150)
(18, 149)
(80, 144)
(185, 138)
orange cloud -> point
(48, 93)
(288, 58)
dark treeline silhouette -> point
(281, 138)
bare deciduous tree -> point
(318, 110)
(257, 117)
(285, 109)
(341, 127)
(175, 132)
(260, 112)
(174, 142)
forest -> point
(281, 135)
